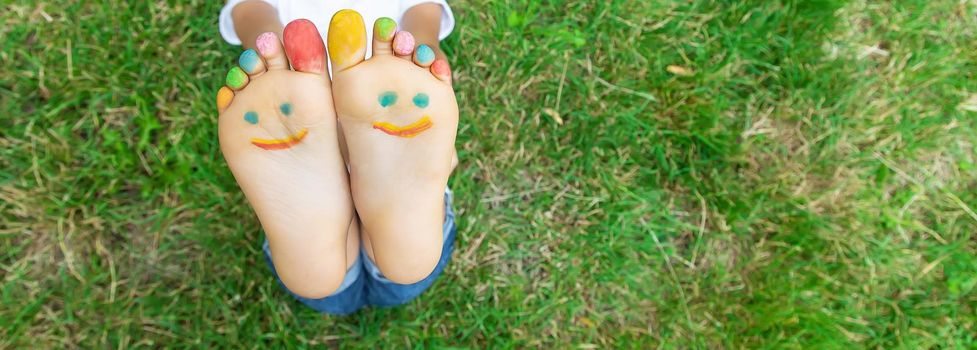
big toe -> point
(347, 39)
(304, 48)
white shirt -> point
(321, 11)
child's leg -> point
(399, 118)
(279, 137)
(252, 18)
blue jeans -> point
(365, 285)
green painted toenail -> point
(387, 99)
(286, 108)
(236, 78)
(385, 28)
(251, 117)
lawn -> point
(634, 174)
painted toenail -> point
(248, 60)
(236, 78)
(251, 117)
(267, 44)
(421, 100)
(387, 99)
(441, 68)
(385, 28)
(224, 97)
(425, 54)
(403, 43)
(286, 108)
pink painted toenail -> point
(403, 43)
(267, 44)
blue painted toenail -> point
(248, 60)
(286, 108)
(425, 54)
(251, 117)
(421, 100)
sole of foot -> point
(399, 118)
(279, 138)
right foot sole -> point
(399, 118)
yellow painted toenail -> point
(347, 37)
(224, 96)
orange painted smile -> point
(278, 144)
(409, 130)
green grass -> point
(795, 189)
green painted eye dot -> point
(286, 108)
(251, 117)
(421, 100)
(387, 99)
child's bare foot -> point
(278, 134)
(399, 118)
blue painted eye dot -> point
(387, 99)
(251, 117)
(286, 108)
(421, 100)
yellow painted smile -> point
(279, 144)
(409, 130)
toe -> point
(271, 51)
(424, 55)
(250, 62)
(403, 44)
(304, 48)
(442, 70)
(347, 39)
(236, 79)
(224, 97)
(383, 34)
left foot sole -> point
(279, 137)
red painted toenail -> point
(441, 68)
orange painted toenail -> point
(224, 96)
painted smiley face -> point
(421, 100)
(251, 117)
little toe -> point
(403, 45)
(236, 78)
(441, 70)
(424, 56)
(304, 47)
(251, 62)
(224, 97)
(383, 34)
(271, 50)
